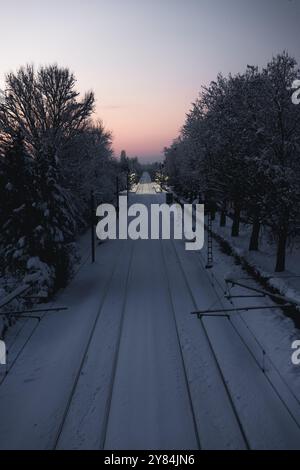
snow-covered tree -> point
(239, 149)
(18, 215)
(44, 105)
(282, 152)
(39, 117)
(88, 164)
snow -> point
(42, 274)
(243, 376)
(128, 367)
(44, 372)
(150, 404)
(268, 330)
(288, 282)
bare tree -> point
(44, 105)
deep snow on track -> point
(128, 367)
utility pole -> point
(93, 226)
(128, 184)
(209, 206)
(117, 193)
(209, 264)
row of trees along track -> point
(244, 133)
(52, 154)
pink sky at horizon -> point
(146, 60)
(154, 131)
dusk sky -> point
(146, 60)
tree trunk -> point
(281, 252)
(223, 216)
(235, 231)
(253, 246)
(223, 219)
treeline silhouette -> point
(239, 151)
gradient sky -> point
(146, 60)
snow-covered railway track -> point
(116, 356)
(185, 374)
(218, 366)
(128, 366)
(150, 405)
(255, 347)
(64, 422)
(263, 418)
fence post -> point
(93, 225)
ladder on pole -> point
(209, 264)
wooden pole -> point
(93, 226)
(117, 193)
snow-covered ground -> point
(263, 261)
(127, 366)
